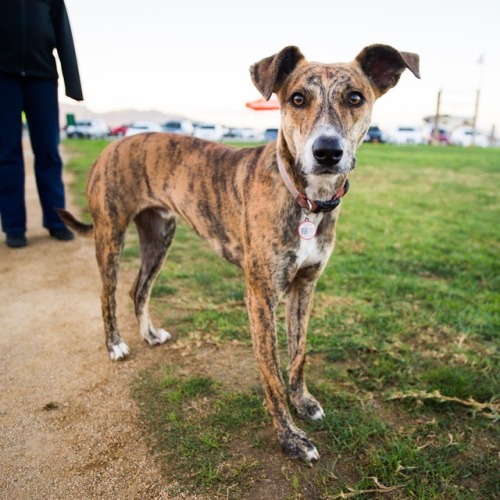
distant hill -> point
(113, 118)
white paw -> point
(163, 336)
(297, 446)
(119, 351)
(312, 454)
(156, 337)
(319, 415)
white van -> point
(95, 129)
(209, 132)
(183, 127)
(140, 127)
(462, 136)
(406, 135)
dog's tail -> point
(72, 222)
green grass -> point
(82, 154)
(198, 419)
(409, 302)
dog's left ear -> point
(269, 74)
(383, 65)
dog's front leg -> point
(298, 308)
(262, 304)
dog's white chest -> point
(309, 252)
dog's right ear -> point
(269, 74)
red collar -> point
(314, 206)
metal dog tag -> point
(307, 230)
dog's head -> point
(326, 108)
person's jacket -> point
(29, 32)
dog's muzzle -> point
(327, 152)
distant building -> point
(448, 122)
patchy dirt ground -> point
(68, 426)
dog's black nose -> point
(327, 151)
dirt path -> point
(67, 423)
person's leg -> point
(42, 112)
(12, 204)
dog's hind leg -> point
(156, 230)
(298, 308)
(109, 245)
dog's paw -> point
(297, 446)
(308, 408)
(119, 351)
(156, 337)
(319, 414)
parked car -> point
(270, 134)
(374, 134)
(184, 127)
(119, 131)
(208, 131)
(407, 135)
(462, 136)
(140, 127)
(95, 129)
(443, 137)
(236, 133)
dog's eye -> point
(355, 99)
(298, 99)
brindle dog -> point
(270, 210)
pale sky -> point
(191, 57)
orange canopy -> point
(263, 105)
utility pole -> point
(474, 119)
(480, 61)
(435, 132)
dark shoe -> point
(16, 240)
(63, 234)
